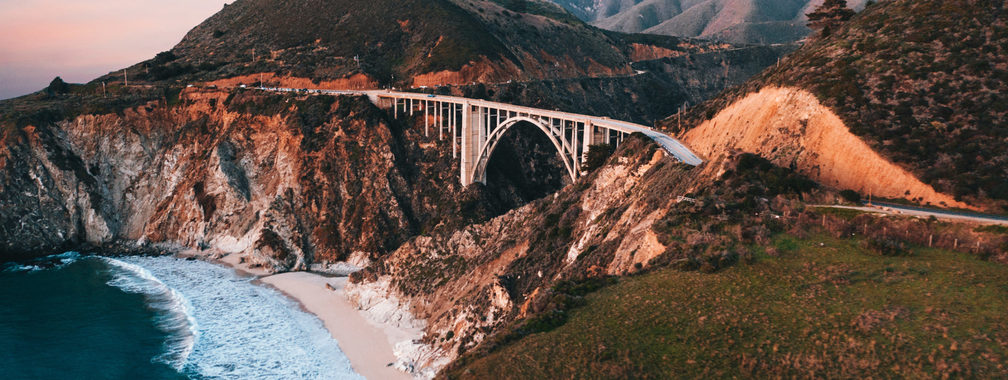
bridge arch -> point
(564, 149)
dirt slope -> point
(791, 128)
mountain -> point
(735, 21)
(358, 43)
(904, 101)
(104, 187)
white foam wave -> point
(247, 331)
(174, 312)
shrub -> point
(597, 156)
(851, 196)
(887, 247)
(57, 86)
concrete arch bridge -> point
(475, 127)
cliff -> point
(282, 180)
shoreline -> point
(367, 345)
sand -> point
(365, 344)
(234, 261)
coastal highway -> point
(895, 209)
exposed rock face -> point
(791, 128)
(469, 282)
(282, 180)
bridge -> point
(475, 127)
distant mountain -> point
(736, 21)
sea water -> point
(88, 317)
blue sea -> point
(73, 316)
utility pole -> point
(125, 79)
(103, 89)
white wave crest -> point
(174, 312)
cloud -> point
(80, 40)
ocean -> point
(74, 316)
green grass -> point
(993, 229)
(834, 310)
(845, 213)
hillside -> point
(492, 293)
(735, 21)
(921, 83)
(356, 43)
(816, 307)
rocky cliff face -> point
(468, 283)
(281, 180)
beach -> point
(366, 345)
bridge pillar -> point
(588, 139)
(471, 131)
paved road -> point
(895, 209)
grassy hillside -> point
(809, 307)
(923, 82)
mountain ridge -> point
(734, 21)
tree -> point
(829, 15)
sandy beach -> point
(365, 344)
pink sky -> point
(79, 40)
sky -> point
(80, 40)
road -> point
(895, 209)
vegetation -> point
(917, 80)
(389, 41)
(597, 156)
(829, 15)
(815, 307)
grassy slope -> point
(827, 311)
(922, 82)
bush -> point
(597, 156)
(851, 196)
(888, 247)
(57, 86)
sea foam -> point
(243, 330)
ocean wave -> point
(248, 331)
(173, 310)
(43, 263)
